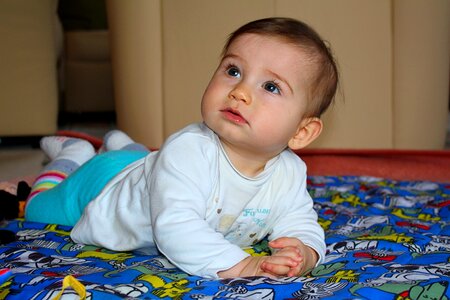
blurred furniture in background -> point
(87, 76)
(31, 40)
(54, 61)
(393, 57)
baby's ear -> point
(308, 130)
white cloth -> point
(189, 201)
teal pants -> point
(64, 204)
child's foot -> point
(60, 147)
(118, 140)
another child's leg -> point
(66, 155)
(118, 140)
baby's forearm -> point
(250, 266)
(311, 258)
(236, 270)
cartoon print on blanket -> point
(385, 240)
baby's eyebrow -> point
(230, 55)
(281, 78)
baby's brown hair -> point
(325, 81)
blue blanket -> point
(385, 240)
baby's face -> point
(257, 97)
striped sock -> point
(67, 154)
(46, 181)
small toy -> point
(11, 203)
(7, 236)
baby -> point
(214, 187)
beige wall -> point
(136, 50)
(421, 73)
(359, 31)
(394, 89)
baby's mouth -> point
(233, 115)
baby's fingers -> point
(291, 252)
(278, 270)
(284, 242)
(279, 265)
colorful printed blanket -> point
(385, 240)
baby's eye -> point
(272, 87)
(233, 71)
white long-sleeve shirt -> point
(189, 201)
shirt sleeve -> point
(180, 185)
(299, 219)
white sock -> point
(116, 140)
(73, 149)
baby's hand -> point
(251, 266)
(292, 258)
(298, 258)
